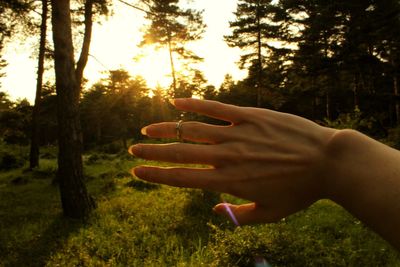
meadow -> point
(142, 224)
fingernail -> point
(144, 130)
(135, 150)
(217, 208)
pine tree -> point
(253, 29)
(75, 199)
(34, 151)
(173, 27)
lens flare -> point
(233, 217)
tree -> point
(387, 29)
(76, 202)
(34, 152)
(124, 96)
(95, 111)
(252, 30)
(115, 108)
(173, 27)
(15, 121)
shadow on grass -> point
(142, 186)
(41, 247)
(198, 217)
(32, 227)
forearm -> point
(365, 179)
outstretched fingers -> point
(179, 153)
(211, 108)
(190, 131)
(181, 177)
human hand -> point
(274, 159)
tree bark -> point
(75, 200)
(259, 52)
(328, 105)
(397, 98)
(171, 59)
(355, 92)
(34, 152)
(80, 66)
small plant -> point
(354, 120)
(10, 161)
(394, 137)
(112, 148)
(92, 159)
(142, 186)
(45, 171)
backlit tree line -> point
(336, 62)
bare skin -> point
(281, 162)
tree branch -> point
(81, 64)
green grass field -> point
(141, 224)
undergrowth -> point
(142, 224)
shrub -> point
(112, 148)
(142, 186)
(44, 173)
(354, 120)
(394, 137)
(97, 157)
(48, 155)
(92, 159)
(10, 161)
(239, 247)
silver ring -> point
(178, 129)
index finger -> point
(210, 108)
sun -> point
(154, 66)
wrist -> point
(339, 153)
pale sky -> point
(114, 45)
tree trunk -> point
(98, 130)
(355, 92)
(80, 66)
(34, 153)
(397, 98)
(171, 59)
(328, 105)
(259, 52)
(75, 200)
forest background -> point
(329, 62)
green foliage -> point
(173, 26)
(393, 138)
(9, 161)
(14, 121)
(11, 156)
(323, 235)
(46, 170)
(141, 186)
(355, 120)
(251, 31)
(112, 148)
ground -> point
(142, 224)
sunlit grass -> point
(140, 224)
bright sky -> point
(114, 45)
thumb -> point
(245, 213)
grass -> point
(141, 224)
